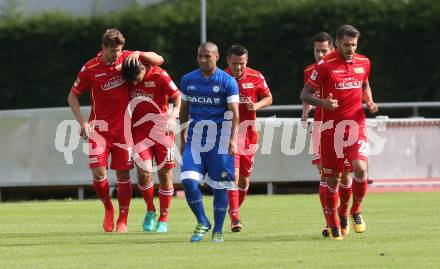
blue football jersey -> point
(208, 99)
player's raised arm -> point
(145, 57)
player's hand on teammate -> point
(330, 103)
(133, 59)
(86, 129)
(372, 107)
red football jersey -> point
(307, 73)
(252, 87)
(155, 89)
(108, 90)
(344, 80)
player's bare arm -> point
(171, 123)
(145, 57)
(305, 111)
(233, 107)
(367, 97)
(72, 99)
(308, 98)
(264, 102)
(183, 117)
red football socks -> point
(332, 201)
(344, 197)
(165, 203)
(124, 198)
(102, 189)
(360, 186)
(233, 205)
(148, 194)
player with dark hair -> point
(105, 128)
(342, 79)
(151, 88)
(322, 46)
(254, 94)
(210, 99)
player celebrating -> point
(322, 46)
(342, 78)
(254, 94)
(109, 99)
(151, 88)
(209, 97)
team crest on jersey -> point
(149, 84)
(314, 75)
(247, 85)
(75, 84)
(359, 70)
(216, 88)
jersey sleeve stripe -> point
(312, 84)
(233, 99)
(75, 91)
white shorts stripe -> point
(218, 185)
(194, 175)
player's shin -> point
(344, 196)
(102, 190)
(233, 205)
(165, 196)
(332, 200)
(220, 205)
(193, 197)
(124, 198)
(360, 186)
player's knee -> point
(144, 178)
(360, 173)
(333, 181)
(346, 178)
(243, 182)
(123, 175)
(164, 172)
(99, 176)
(189, 184)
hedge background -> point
(41, 56)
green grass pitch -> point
(281, 231)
